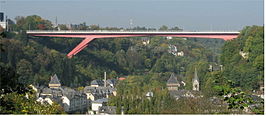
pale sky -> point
(192, 15)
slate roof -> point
(99, 90)
(101, 100)
(54, 80)
(52, 91)
(46, 91)
(172, 79)
(97, 82)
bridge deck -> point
(105, 32)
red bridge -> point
(91, 35)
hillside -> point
(36, 59)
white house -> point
(181, 53)
(43, 100)
(66, 103)
(95, 105)
(243, 54)
(146, 42)
(169, 37)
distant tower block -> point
(195, 81)
(2, 21)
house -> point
(181, 53)
(94, 93)
(145, 41)
(45, 100)
(215, 67)
(243, 54)
(74, 101)
(172, 49)
(169, 37)
(149, 95)
(173, 83)
(95, 105)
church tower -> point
(195, 81)
(173, 83)
(54, 82)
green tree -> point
(163, 28)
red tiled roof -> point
(122, 78)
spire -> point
(195, 75)
(172, 79)
(54, 80)
(195, 81)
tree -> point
(62, 27)
(24, 68)
(94, 27)
(17, 98)
(33, 22)
(176, 29)
(163, 28)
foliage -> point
(247, 73)
(241, 76)
(17, 98)
(32, 23)
(131, 95)
(14, 103)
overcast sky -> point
(192, 15)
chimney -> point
(104, 79)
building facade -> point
(71, 100)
